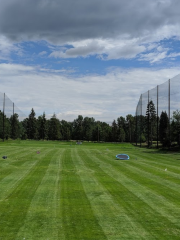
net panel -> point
(138, 119)
(144, 103)
(8, 110)
(163, 96)
(21, 115)
(166, 98)
(174, 94)
(1, 116)
(153, 97)
(6, 120)
(153, 128)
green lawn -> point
(82, 192)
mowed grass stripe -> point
(11, 176)
(116, 220)
(42, 219)
(155, 158)
(150, 175)
(157, 225)
(113, 218)
(172, 179)
(30, 151)
(10, 164)
(169, 161)
(57, 196)
(14, 208)
(160, 164)
(13, 154)
(8, 151)
(79, 221)
(11, 157)
(11, 179)
(156, 201)
(15, 160)
(152, 179)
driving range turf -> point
(70, 191)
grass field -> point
(82, 192)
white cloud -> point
(7, 47)
(153, 57)
(158, 54)
(9, 70)
(120, 48)
(42, 53)
(114, 49)
(174, 55)
(104, 97)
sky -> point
(92, 58)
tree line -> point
(162, 128)
(146, 128)
(82, 128)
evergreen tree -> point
(32, 125)
(88, 125)
(123, 129)
(24, 129)
(131, 127)
(54, 128)
(1, 124)
(122, 135)
(15, 128)
(114, 131)
(7, 128)
(42, 126)
(105, 132)
(175, 126)
(150, 121)
(78, 128)
(6, 133)
(97, 132)
(163, 129)
(66, 130)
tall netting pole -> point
(148, 117)
(141, 122)
(13, 122)
(166, 96)
(3, 115)
(136, 125)
(157, 117)
(169, 108)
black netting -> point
(1, 114)
(138, 120)
(163, 93)
(161, 102)
(144, 103)
(21, 115)
(10, 118)
(174, 94)
(8, 107)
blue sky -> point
(91, 58)
(40, 53)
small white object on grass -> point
(165, 169)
